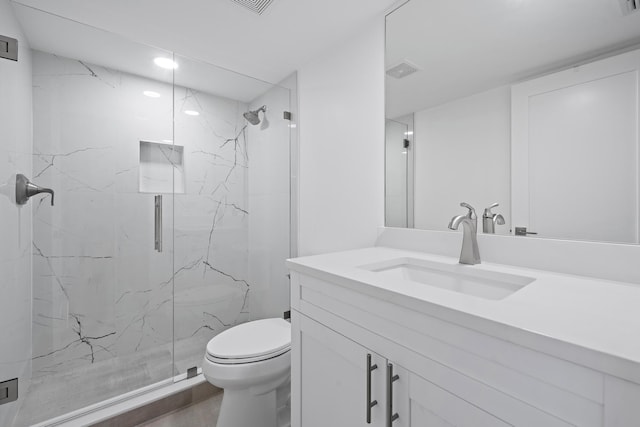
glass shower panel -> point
(102, 296)
(399, 171)
(232, 217)
(396, 173)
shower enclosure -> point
(399, 159)
(171, 220)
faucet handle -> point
(487, 211)
(472, 212)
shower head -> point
(253, 117)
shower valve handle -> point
(26, 189)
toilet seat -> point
(250, 342)
(252, 363)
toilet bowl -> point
(252, 363)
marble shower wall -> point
(269, 198)
(100, 290)
(15, 226)
(211, 221)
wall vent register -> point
(403, 69)
(257, 6)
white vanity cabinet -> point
(333, 375)
(448, 375)
(337, 389)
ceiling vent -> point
(403, 69)
(629, 6)
(257, 6)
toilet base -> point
(243, 408)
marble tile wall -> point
(100, 290)
(211, 219)
(15, 223)
(268, 201)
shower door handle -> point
(158, 223)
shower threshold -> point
(124, 403)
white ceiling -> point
(63, 37)
(268, 47)
(468, 46)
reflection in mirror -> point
(575, 148)
(399, 170)
(455, 68)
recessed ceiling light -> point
(166, 63)
(192, 113)
(151, 94)
(168, 141)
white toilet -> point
(252, 363)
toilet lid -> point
(257, 340)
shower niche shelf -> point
(161, 168)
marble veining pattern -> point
(100, 291)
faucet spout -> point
(455, 222)
(46, 190)
(469, 254)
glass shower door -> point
(231, 219)
(396, 174)
(102, 317)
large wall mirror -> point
(530, 105)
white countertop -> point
(593, 322)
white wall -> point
(342, 144)
(15, 226)
(462, 151)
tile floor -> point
(195, 407)
(103, 380)
(201, 414)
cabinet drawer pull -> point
(370, 404)
(391, 417)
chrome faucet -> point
(489, 220)
(470, 254)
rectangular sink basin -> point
(461, 278)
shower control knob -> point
(26, 189)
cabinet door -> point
(430, 405)
(333, 378)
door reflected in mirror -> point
(515, 103)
